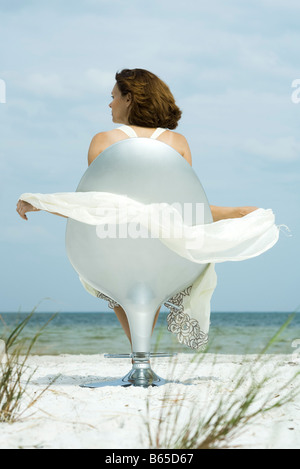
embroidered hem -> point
(111, 303)
(187, 329)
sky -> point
(231, 67)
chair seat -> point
(139, 274)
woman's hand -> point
(24, 207)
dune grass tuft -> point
(15, 374)
(223, 417)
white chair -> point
(138, 274)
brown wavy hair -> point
(153, 104)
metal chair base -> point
(140, 375)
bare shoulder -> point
(96, 146)
(178, 138)
(179, 143)
(100, 142)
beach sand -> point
(68, 416)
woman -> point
(145, 107)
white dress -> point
(225, 240)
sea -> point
(98, 333)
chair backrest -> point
(142, 272)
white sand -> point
(68, 416)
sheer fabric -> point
(225, 240)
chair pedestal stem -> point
(141, 373)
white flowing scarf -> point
(235, 239)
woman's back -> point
(103, 140)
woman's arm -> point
(24, 207)
(222, 213)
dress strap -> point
(157, 132)
(131, 133)
(128, 131)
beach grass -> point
(212, 401)
(225, 418)
(16, 348)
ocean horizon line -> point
(163, 311)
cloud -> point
(283, 149)
(67, 85)
(44, 85)
(286, 4)
(98, 80)
(239, 112)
